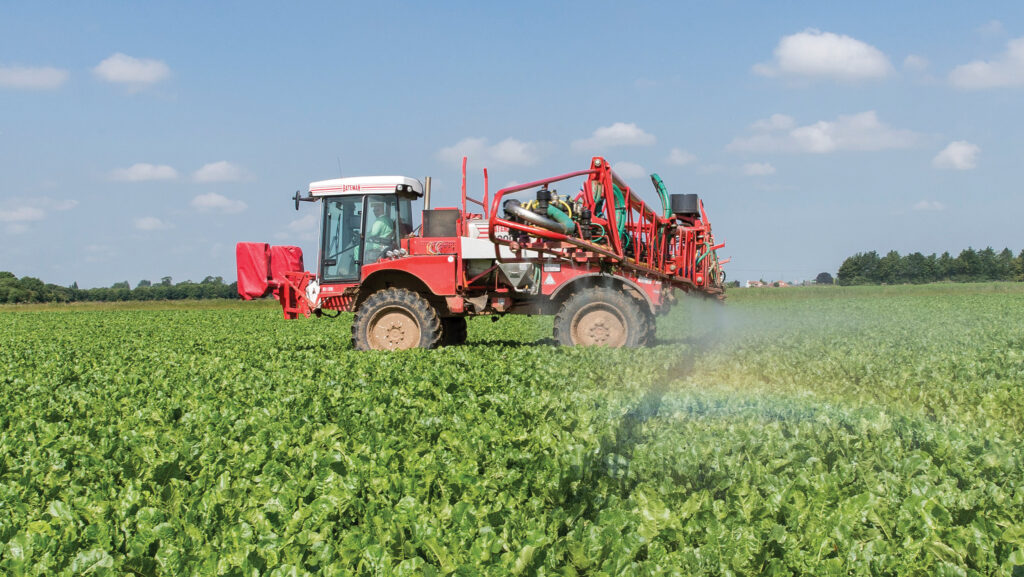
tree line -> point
(915, 268)
(32, 290)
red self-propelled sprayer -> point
(598, 258)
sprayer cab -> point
(588, 251)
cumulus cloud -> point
(44, 78)
(222, 171)
(1006, 70)
(143, 171)
(302, 228)
(150, 223)
(213, 202)
(508, 152)
(992, 28)
(629, 170)
(680, 157)
(958, 155)
(929, 206)
(16, 214)
(816, 54)
(861, 131)
(136, 72)
(618, 134)
(758, 169)
(21, 214)
(774, 122)
(915, 63)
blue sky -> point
(143, 140)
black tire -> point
(600, 316)
(453, 331)
(649, 325)
(411, 322)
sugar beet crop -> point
(865, 431)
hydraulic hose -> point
(563, 219)
(514, 208)
(659, 185)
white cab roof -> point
(362, 185)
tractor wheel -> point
(453, 331)
(649, 326)
(393, 319)
(600, 316)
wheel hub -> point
(599, 324)
(392, 329)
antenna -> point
(339, 167)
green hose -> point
(561, 217)
(662, 193)
(620, 212)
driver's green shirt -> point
(382, 232)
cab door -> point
(342, 238)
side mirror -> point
(299, 198)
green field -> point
(829, 431)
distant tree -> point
(143, 283)
(967, 266)
(987, 265)
(216, 280)
(166, 281)
(1005, 265)
(890, 268)
(1019, 266)
(861, 268)
(944, 267)
(824, 278)
(121, 285)
(7, 275)
(916, 268)
(74, 285)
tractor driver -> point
(381, 236)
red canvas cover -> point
(251, 260)
(284, 259)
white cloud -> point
(929, 205)
(958, 155)
(513, 152)
(861, 131)
(137, 72)
(774, 122)
(915, 63)
(59, 204)
(680, 157)
(44, 78)
(213, 202)
(143, 171)
(508, 152)
(151, 223)
(18, 213)
(816, 54)
(758, 169)
(618, 134)
(21, 214)
(302, 228)
(222, 171)
(992, 28)
(1007, 70)
(629, 170)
